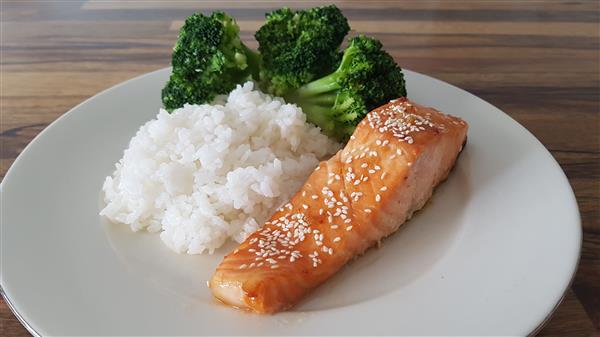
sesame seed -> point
(274, 266)
(367, 210)
(371, 171)
(377, 198)
(330, 251)
(337, 239)
(314, 197)
(383, 175)
(364, 165)
(383, 189)
(349, 228)
(244, 266)
(304, 206)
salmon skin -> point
(388, 170)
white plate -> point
(492, 254)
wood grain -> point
(536, 60)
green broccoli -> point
(299, 46)
(209, 59)
(366, 78)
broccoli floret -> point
(179, 91)
(299, 46)
(209, 59)
(366, 78)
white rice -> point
(206, 173)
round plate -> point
(491, 254)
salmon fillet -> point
(387, 171)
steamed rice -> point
(206, 173)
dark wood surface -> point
(536, 60)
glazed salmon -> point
(387, 171)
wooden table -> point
(536, 60)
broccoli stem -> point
(319, 116)
(330, 82)
(317, 98)
(253, 60)
(325, 84)
(326, 99)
